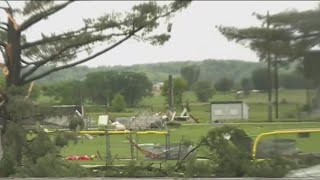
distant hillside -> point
(211, 70)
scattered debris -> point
(158, 152)
(81, 158)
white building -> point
(229, 110)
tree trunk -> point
(13, 52)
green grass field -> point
(291, 102)
(120, 148)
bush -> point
(195, 168)
(229, 160)
(76, 122)
(51, 165)
(7, 164)
(203, 90)
(118, 103)
(271, 168)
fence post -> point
(108, 152)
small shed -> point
(229, 110)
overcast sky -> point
(194, 36)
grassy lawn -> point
(120, 148)
(291, 102)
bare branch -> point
(39, 16)
(83, 60)
(4, 8)
(8, 4)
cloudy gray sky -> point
(194, 36)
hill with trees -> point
(210, 70)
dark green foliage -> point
(203, 90)
(62, 139)
(66, 92)
(191, 74)
(211, 70)
(118, 103)
(101, 87)
(292, 80)
(275, 168)
(51, 165)
(246, 85)
(260, 79)
(75, 123)
(8, 163)
(179, 86)
(231, 162)
(232, 158)
(224, 84)
(14, 140)
(194, 168)
(40, 146)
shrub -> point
(76, 122)
(7, 164)
(118, 103)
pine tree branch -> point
(83, 60)
(26, 62)
(39, 16)
(62, 50)
(52, 38)
(130, 34)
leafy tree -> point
(99, 86)
(179, 86)
(67, 92)
(260, 79)
(224, 84)
(191, 74)
(132, 85)
(118, 103)
(23, 58)
(203, 90)
(292, 80)
(246, 85)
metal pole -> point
(108, 152)
(131, 147)
(167, 143)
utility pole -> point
(269, 72)
(170, 92)
(276, 87)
